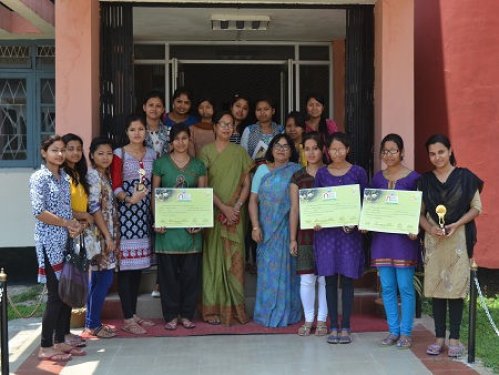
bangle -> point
(256, 228)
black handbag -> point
(73, 283)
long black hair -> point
(79, 173)
(443, 139)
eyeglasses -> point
(225, 125)
(389, 152)
(281, 147)
(338, 150)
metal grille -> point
(12, 56)
(359, 85)
(116, 68)
(47, 108)
(13, 108)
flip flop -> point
(103, 332)
(186, 323)
(435, 349)
(143, 322)
(134, 329)
(68, 349)
(214, 321)
(75, 340)
(171, 325)
(56, 357)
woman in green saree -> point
(228, 167)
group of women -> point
(112, 205)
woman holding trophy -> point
(131, 173)
(451, 201)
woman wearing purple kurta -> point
(339, 251)
(396, 255)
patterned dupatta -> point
(273, 196)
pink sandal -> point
(435, 349)
(455, 351)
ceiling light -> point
(239, 22)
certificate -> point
(333, 206)
(391, 211)
(183, 208)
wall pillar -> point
(77, 68)
(394, 74)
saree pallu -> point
(277, 292)
(223, 247)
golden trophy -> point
(140, 185)
(441, 210)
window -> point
(27, 101)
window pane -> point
(251, 52)
(47, 107)
(314, 53)
(45, 57)
(15, 56)
(314, 79)
(13, 109)
(149, 51)
(147, 78)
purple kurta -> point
(337, 252)
(389, 249)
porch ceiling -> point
(190, 24)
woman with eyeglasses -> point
(339, 252)
(278, 286)
(228, 167)
(396, 255)
(449, 242)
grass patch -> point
(26, 303)
(487, 341)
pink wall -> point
(394, 74)
(77, 68)
(457, 93)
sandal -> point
(333, 338)
(133, 328)
(103, 332)
(389, 340)
(345, 337)
(71, 350)
(55, 357)
(455, 351)
(143, 322)
(435, 349)
(305, 329)
(186, 323)
(321, 328)
(171, 325)
(75, 340)
(215, 320)
(404, 342)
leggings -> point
(307, 294)
(57, 314)
(346, 300)
(440, 316)
(128, 289)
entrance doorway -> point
(285, 71)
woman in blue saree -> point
(277, 291)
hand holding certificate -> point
(334, 206)
(391, 211)
(183, 208)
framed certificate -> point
(333, 206)
(183, 208)
(391, 211)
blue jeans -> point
(390, 278)
(100, 283)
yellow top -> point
(79, 198)
(301, 155)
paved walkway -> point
(243, 354)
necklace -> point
(180, 164)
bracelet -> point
(256, 228)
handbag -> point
(73, 283)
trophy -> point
(441, 210)
(140, 185)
